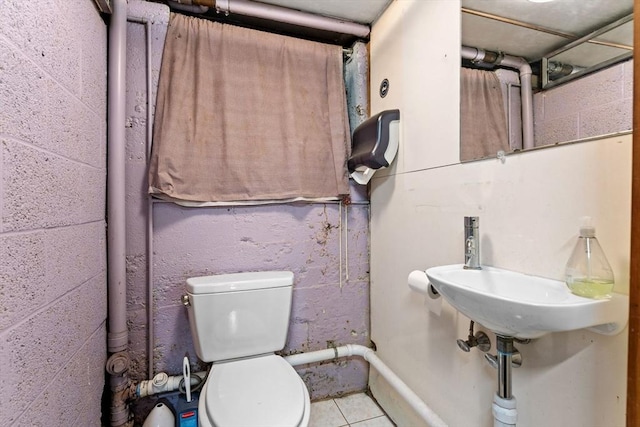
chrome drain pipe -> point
(504, 403)
(505, 357)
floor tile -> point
(325, 413)
(358, 407)
(374, 422)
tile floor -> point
(357, 410)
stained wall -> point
(325, 245)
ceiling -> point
(566, 20)
(361, 11)
(574, 18)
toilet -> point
(237, 322)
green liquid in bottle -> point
(593, 288)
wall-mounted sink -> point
(523, 306)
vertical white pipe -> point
(149, 255)
(116, 232)
(526, 92)
(117, 337)
(526, 95)
(150, 305)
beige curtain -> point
(244, 115)
(483, 127)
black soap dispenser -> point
(588, 273)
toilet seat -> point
(259, 391)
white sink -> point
(522, 306)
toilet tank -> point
(240, 314)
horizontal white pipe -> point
(163, 382)
(291, 16)
(526, 93)
(431, 418)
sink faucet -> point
(472, 242)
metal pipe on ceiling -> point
(279, 14)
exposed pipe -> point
(149, 255)
(162, 383)
(187, 6)
(504, 409)
(117, 337)
(431, 418)
(526, 92)
(290, 16)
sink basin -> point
(523, 306)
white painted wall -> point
(529, 209)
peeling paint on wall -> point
(302, 238)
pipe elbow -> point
(518, 63)
(525, 69)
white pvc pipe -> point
(117, 337)
(504, 411)
(291, 16)
(427, 414)
(149, 255)
(116, 221)
(163, 383)
(526, 92)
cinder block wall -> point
(594, 105)
(52, 202)
(328, 309)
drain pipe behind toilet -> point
(117, 339)
(427, 414)
(526, 92)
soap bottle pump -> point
(588, 273)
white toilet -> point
(237, 322)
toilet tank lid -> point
(239, 282)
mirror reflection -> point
(542, 74)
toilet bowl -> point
(237, 322)
(260, 391)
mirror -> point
(604, 47)
(581, 79)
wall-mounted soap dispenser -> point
(374, 146)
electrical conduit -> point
(526, 93)
(431, 418)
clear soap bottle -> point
(588, 272)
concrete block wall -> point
(52, 203)
(328, 308)
(597, 104)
